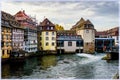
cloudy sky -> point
(103, 14)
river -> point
(73, 66)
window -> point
(81, 43)
(47, 43)
(86, 43)
(46, 33)
(40, 28)
(53, 43)
(60, 43)
(48, 28)
(2, 29)
(47, 22)
(52, 33)
(21, 44)
(18, 44)
(3, 52)
(53, 38)
(2, 44)
(40, 38)
(87, 31)
(78, 43)
(7, 44)
(69, 43)
(117, 37)
(40, 43)
(51, 28)
(47, 38)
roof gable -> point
(46, 22)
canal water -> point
(73, 66)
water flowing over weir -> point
(74, 66)
(89, 58)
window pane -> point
(48, 28)
(51, 28)
(47, 38)
(46, 33)
(87, 31)
(69, 43)
(52, 33)
(53, 38)
(47, 43)
(53, 44)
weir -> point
(73, 66)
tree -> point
(59, 27)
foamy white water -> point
(90, 58)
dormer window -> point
(51, 28)
(48, 28)
(47, 22)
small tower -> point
(87, 31)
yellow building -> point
(47, 36)
(6, 33)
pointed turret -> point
(80, 22)
(88, 22)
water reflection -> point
(15, 69)
(5, 70)
(47, 61)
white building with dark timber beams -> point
(30, 31)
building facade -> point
(47, 36)
(30, 32)
(6, 35)
(87, 32)
(114, 33)
(17, 35)
(69, 42)
(111, 33)
(104, 44)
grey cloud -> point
(69, 12)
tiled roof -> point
(100, 33)
(7, 16)
(88, 22)
(46, 22)
(27, 21)
(81, 24)
(21, 14)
